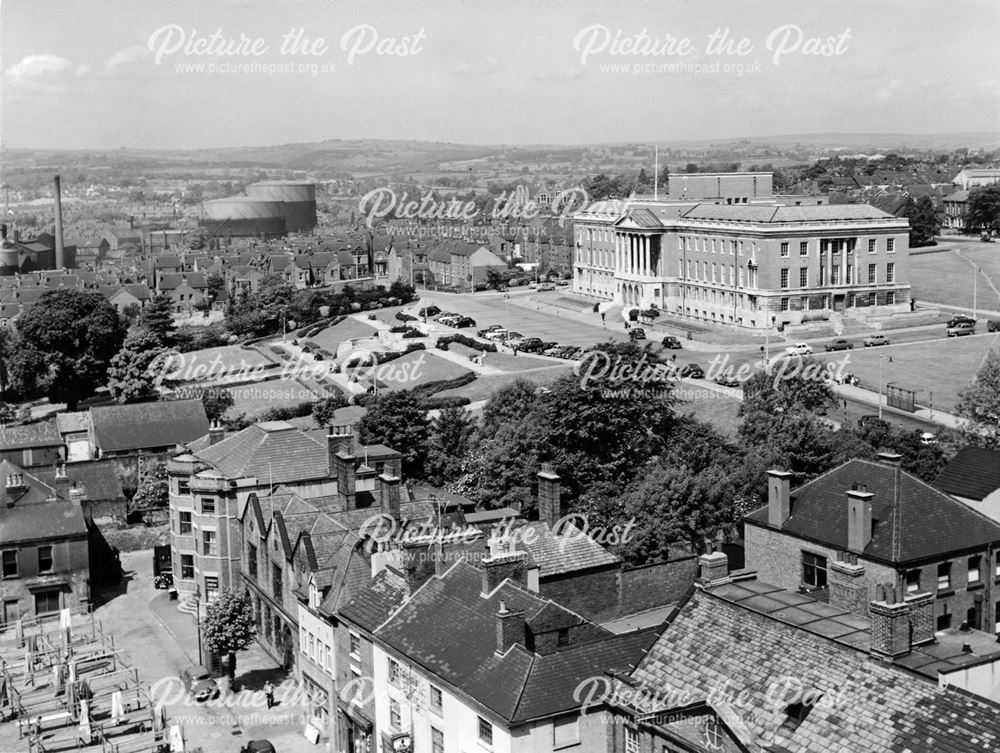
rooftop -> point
(142, 425)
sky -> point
(214, 73)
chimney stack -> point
(62, 482)
(859, 520)
(497, 569)
(779, 499)
(215, 432)
(713, 568)
(848, 587)
(340, 439)
(510, 628)
(921, 618)
(60, 251)
(550, 508)
(890, 624)
(389, 495)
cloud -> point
(128, 56)
(43, 70)
(480, 68)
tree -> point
(76, 333)
(216, 401)
(158, 318)
(980, 401)
(924, 221)
(153, 491)
(323, 410)
(494, 280)
(229, 626)
(508, 404)
(449, 444)
(398, 420)
(129, 375)
(984, 208)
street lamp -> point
(975, 280)
(197, 619)
(880, 389)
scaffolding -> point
(69, 688)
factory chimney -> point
(60, 252)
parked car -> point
(547, 345)
(726, 381)
(873, 341)
(163, 580)
(839, 344)
(563, 283)
(484, 332)
(958, 319)
(496, 334)
(928, 437)
(993, 325)
(464, 321)
(962, 328)
(637, 333)
(554, 350)
(199, 683)
(799, 349)
(510, 339)
(545, 286)
(531, 345)
(571, 353)
(258, 746)
(692, 371)
(672, 343)
(429, 311)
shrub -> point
(469, 342)
(411, 333)
(424, 391)
(276, 350)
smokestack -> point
(60, 252)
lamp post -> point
(880, 388)
(197, 620)
(975, 280)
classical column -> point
(646, 259)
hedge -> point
(445, 401)
(424, 391)
(469, 342)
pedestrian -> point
(269, 693)
(674, 358)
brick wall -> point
(654, 585)
(593, 594)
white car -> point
(799, 349)
(497, 334)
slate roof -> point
(912, 521)
(974, 473)
(569, 551)
(758, 213)
(143, 425)
(97, 479)
(520, 684)
(34, 515)
(714, 643)
(373, 605)
(271, 450)
(41, 434)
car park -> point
(958, 319)
(873, 341)
(511, 339)
(486, 330)
(637, 333)
(671, 343)
(993, 325)
(199, 683)
(692, 371)
(799, 349)
(962, 328)
(838, 344)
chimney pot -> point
(892, 459)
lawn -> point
(946, 277)
(712, 407)
(254, 399)
(484, 387)
(349, 329)
(503, 361)
(418, 367)
(230, 362)
(941, 367)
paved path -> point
(868, 397)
